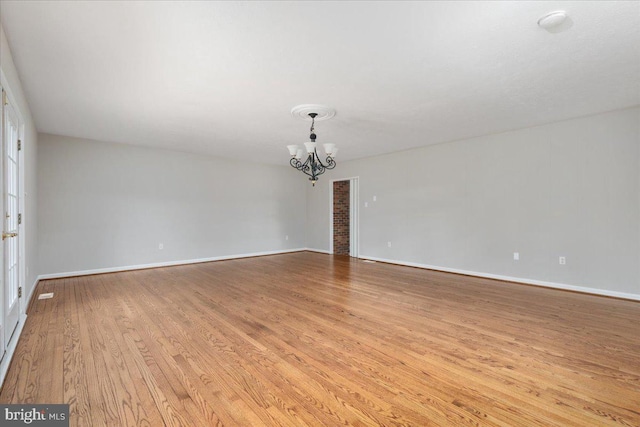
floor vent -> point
(45, 296)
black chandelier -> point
(312, 166)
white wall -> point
(29, 146)
(569, 189)
(105, 205)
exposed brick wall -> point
(341, 217)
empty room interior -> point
(313, 213)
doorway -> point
(10, 259)
(344, 217)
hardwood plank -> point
(74, 364)
(311, 339)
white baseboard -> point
(322, 251)
(6, 361)
(553, 285)
(161, 264)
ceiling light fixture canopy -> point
(553, 19)
(312, 165)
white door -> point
(11, 276)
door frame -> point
(22, 302)
(354, 215)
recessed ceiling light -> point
(553, 19)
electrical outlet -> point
(366, 204)
(389, 244)
(516, 256)
(160, 246)
(375, 198)
(562, 260)
(286, 237)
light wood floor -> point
(310, 339)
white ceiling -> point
(221, 77)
